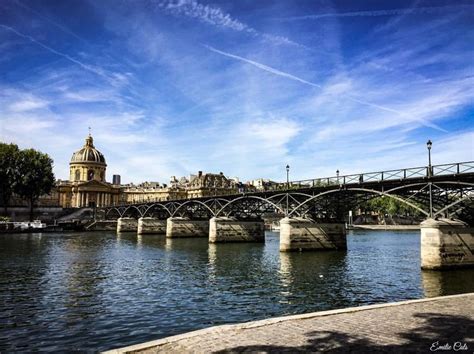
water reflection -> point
(95, 291)
(187, 244)
(84, 275)
(21, 307)
(152, 241)
(286, 278)
(450, 282)
(316, 277)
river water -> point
(98, 291)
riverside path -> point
(443, 324)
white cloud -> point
(179, 108)
(28, 104)
(215, 16)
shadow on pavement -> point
(444, 329)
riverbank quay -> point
(436, 324)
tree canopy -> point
(9, 154)
(27, 173)
(390, 206)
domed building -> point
(87, 185)
(87, 164)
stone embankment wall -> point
(299, 234)
(225, 229)
(45, 214)
(446, 243)
(148, 225)
(103, 225)
(127, 225)
(184, 227)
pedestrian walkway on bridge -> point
(443, 324)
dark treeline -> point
(27, 173)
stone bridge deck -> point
(408, 326)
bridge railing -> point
(389, 175)
(453, 168)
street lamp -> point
(428, 145)
(337, 176)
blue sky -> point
(242, 87)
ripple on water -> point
(97, 291)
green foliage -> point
(4, 219)
(9, 154)
(35, 174)
(27, 173)
(390, 206)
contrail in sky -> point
(215, 16)
(64, 29)
(298, 79)
(54, 51)
(389, 12)
(263, 67)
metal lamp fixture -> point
(429, 144)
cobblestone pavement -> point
(409, 326)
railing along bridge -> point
(445, 190)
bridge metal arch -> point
(427, 184)
(121, 210)
(248, 197)
(449, 206)
(436, 184)
(291, 193)
(134, 207)
(154, 205)
(217, 206)
(172, 205)
(213, 200)
(117, 209)
(192, 202)
(371, 191)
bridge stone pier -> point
(300, 234)
(185, 227)
(127, 225)
(228, 229)
(446, 243)
(148, 225)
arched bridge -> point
(314, 212)
(438, 191)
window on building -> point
(102, 177)
(78, 175)
(90, 175)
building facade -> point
(210, 184)
(151, 192)
(87, 186)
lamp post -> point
(428, 145)
(337, 176)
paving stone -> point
(409, 326)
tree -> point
(390, 206)
(9, 154)
(35, 176)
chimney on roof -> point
(199, 173)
